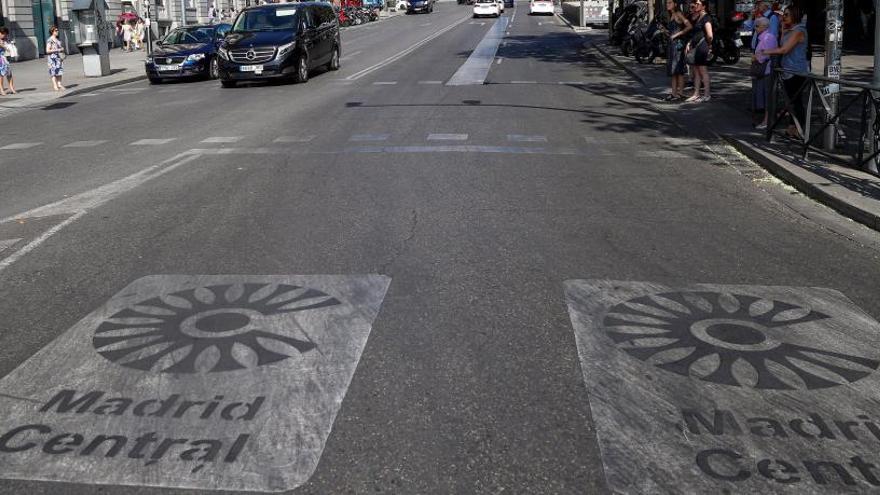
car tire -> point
(227, 84)
(302, 69)
(213, 68)
(155, 80)
(333, 64)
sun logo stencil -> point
(731, 339)
(211, 329)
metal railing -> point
(855, 117)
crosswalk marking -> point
(447, 137)
(84, 144)
(293, 139)
(151, 142)
(368, 137)
(384, 83)
(19, 146)
(526, 138)
(222, 139)
(7, 243)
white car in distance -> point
(486, 8)
(541, 7)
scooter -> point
(652, 44)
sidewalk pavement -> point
(35, 89)
(727, 116)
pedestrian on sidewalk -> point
(679, 28)
(762, 63)
(126, 36)
(5, 68)
(699, 49)
(55, 57)
(138, 35)
(763, 10)
(794, 62)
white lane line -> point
(572, 83)
(20, 146)
(384, 83)
(151, 142)
(223, 139)
(352, 54)
(7, 243)
(447, 137)
(477, 23)
(368, 137)
(526, 138)
(660, 154)
(476, 68)
(84, 144)
(403, 53)
(523, 82)
(293, 139)
(79, 205)
(90, 94)
(430, 82)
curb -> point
(107, 84)
(620, 64)
(800, 181)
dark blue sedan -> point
(189, 51)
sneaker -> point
(693, 99)
(704, 99)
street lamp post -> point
(873, 164)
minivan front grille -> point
(253, 55)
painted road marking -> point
(84, 144)
(476, 68)
(89, 94)
(425, 24)
(447, 137)
(526, 138)
(523, 82)
(660, 154)
(368, 137)
(729, 389)
(468, 148)
(572, 83)
(19, 146)
(7, 243)
(227, 382)
(430, 82)
(293, 139)
(399, 55)
(384, 83)
(151, 142)
(223, 139)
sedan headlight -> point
(285, 49)
(195, 57)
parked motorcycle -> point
(652, 43)
(726, 46)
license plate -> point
(252, 68)
(168, 67)
(738, 43)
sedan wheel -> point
(214, 69)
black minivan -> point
(283, 40)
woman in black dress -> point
(698, 50)
(679, 28)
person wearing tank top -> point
(794, 61)
(679, 28)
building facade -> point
(29, 20)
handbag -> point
(11, 50)
(758, 70)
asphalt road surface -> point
(471, 366)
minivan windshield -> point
(272, 19)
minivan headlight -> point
(195, 57)
(285, 49)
